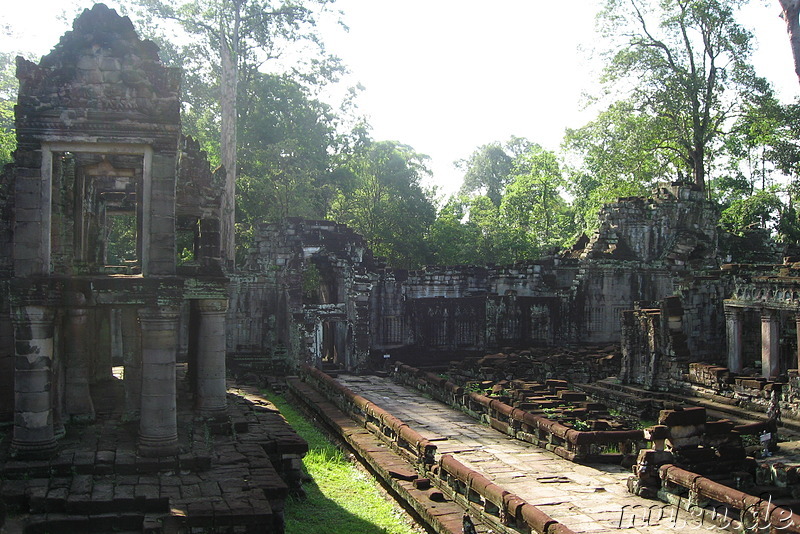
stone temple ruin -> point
(361, 309)
(103, 191)
(113, 282)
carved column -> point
(770, 363)
(132, 360)
(33, 402)
(77, 395)
(210, 396)
(158, 426)
(733, 323)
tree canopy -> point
(683, 67)
(231, 40)
(680, 101)
(384, 199)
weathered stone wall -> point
(346, 306)
(703, 314)
(304, 294)
(654, 349)
(676, 226)
(6, 269)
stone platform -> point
(584, 498)
(231, 475)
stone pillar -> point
(733, 323)
(770, 362)
(158, 426)
(797, 322)
(210, 396)
(6, 367)
(77, 395)
(33, 402)
(102, 346)
(132, 360)
(58, 379)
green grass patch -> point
(341, 499)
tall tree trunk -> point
(791, 14)
(229, 88)
(696, 164)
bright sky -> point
(446, 76)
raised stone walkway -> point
(584, 498)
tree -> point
(685, 64)
(619, 154)
(763, 163)
(386, 202)
(235, 37)
(756, 211)
(486, 170)
(533, 206)
(530, 217)
(452, 239)
(8, 91)
(790, 12)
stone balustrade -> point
(473, 489)
(398, 435)
(755, 513)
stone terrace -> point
(230, 476)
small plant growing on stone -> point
(474, 387)
(580, 424)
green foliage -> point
(287, 147)
(8, 138)
(452, 240)
(121, 247)
(382, 197)
(341, 499)
(580, 425)
(529, 217)
(619, 157)
(759, 185)
(257, 30)
(755, 211)
(487, 170)
(8, 92)
(532, 205)
(683, 68)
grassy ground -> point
(342, 498)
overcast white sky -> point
(446, 76)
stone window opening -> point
(95, 214)
(96, 198)
(321, 284)
(121, 241)
(187, 240)
(107, 214)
